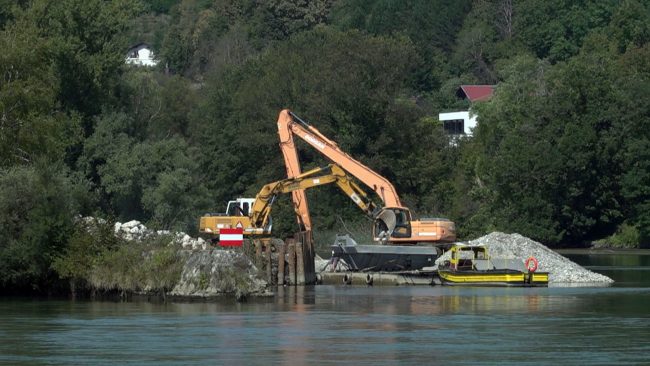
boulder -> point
(130, 224)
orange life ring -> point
(532, 260)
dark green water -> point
(629, 270)
(353, 325)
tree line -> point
(560, 153)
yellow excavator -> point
(393, 223)
(253, 215)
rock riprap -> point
(561, 270)
(218, 272)
(206, 273)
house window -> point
(454, 127)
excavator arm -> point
(257, 221)
(393, 223)
(289, 125)
(261, 209)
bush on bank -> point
(626, 236)
(97, 260)
(37, 208)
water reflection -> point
(442, 301)
(627, 269)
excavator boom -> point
(393, 223)
(289, 124)
(316, 177)
(258, 220)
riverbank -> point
(129, 259)
(216, 272)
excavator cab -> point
(239, 207)
(392, 222)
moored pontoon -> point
(470, 265)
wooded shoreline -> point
(561, 152)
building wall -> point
(145, 58)
(469, 120)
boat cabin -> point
(469, 257)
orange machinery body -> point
(409, 231)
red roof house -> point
(476, 93)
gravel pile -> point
(561, 270)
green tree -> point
(556, 29)
(32, 126)
(88, 41)
(143, 179)
(635, 153)
(90, 238)
(160, 6)
(194, 29)
(37, 207)
(279, 19)
(552, 146)
(431, 25)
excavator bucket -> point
(389, 219)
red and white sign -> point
(231, 237)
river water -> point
(354, 325)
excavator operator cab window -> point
(402, 224)
(400, 216)
(395, 222)
(234, 209)
(230, 210)
(245, 209)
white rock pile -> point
(134, 230)
(188, 242)
(561, 270)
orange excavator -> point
(393, 223)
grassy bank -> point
(96, 261)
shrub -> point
(626, 236)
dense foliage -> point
(561, 153)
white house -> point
(141, 54)
(462, 123)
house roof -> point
(139, 46)
(476, 93)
